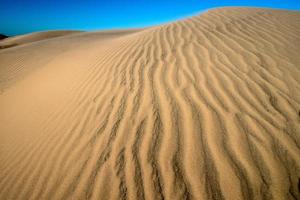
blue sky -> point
(25, 16)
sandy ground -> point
(202, 108)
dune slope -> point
(202, 108)
(32, 37)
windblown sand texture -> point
(203, 108)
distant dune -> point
(2, 36)
(33, 37)
(202, 108)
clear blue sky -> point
(24, 16)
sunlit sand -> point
(202, 108)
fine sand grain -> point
(202, 108)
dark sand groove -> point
(138, 177)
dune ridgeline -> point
(202, 108)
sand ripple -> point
(202, 108)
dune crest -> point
(32, 37)
(202, 108)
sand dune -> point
(202, 108)
(2, 36)
(41, 36)
(32, 37)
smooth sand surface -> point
(33, 37)
(202, 108)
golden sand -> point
(202, 108)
